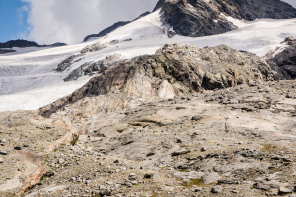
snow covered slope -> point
(27, 81)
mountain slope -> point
(112, 28)
(173, 70)
(201, 18)
(29, 80)
(283, 60)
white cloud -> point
(70, 21)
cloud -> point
(70, 21)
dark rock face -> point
(18, 43)
(92, 68)
(284, 62)
(26, 43)
(112, 28)
(200, 18)
(252, 9)
(66, 63)
(4, 51)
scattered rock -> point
(283, 191)
(211, 178)
(196, 118)
(148, 176)
(17, 148)
(181, 152)
(2, 152)
(216, 189)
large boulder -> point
(284, 61)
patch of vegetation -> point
(270, 148)
(193, 182)
(183, 170)
(75, 138)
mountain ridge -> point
(202, 18)
(25, 43)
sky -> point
(13, 19)
(68, 21)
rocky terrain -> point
(283, 60)
(174, 70)
(183, 121)
(186, 121)
(202, 18)
(237, 141)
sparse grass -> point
(193, 182)
(270, 148)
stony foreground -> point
(237, 141)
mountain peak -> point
(200, 18)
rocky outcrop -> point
(26, 43)
(92, 68)
(284, 62)
(251, 10)
(200, 18)
(174, 70)
(65, 64)
(196, 20)
(4, 51)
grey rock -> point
(1, 160)
(284, 62)
(65, 64)
(196, 118)
(148, 176)
(203, 149)
(17, 148)
(61, 161)
(3, 152)
(211, 178)
(261, 186)
(216, 189)
(197, 189)
(194, 71)
(283, 191)
(180, 152)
